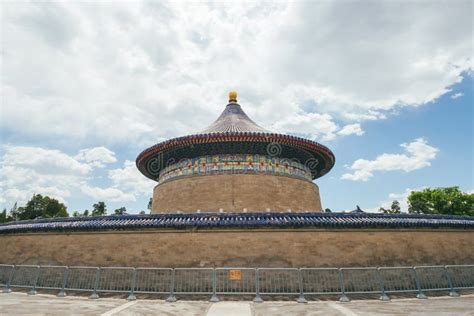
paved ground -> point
(22, 304)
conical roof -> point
(233, 119)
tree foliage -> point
(394, 208)
(80, 214)
(450, 200)
(99, 209)
(39, 207)
(4, 216)
(120, 211)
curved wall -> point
(236, 192)
(244, 247)
(236, 164)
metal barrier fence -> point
(431, 278)
(236, 281)
(461, 276)
(25, 276)
(116, 280)
(6, 274)
(397, 280)
(82, 279)
(155, 281)
(359, 281)
(320, 281)
(240, 281)
(277, 281)
(51, 277)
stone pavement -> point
(22, 304)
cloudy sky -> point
(388, 86)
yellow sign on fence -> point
(235, 275)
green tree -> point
(394, 208)
(14, 212)
(150, 203)
(99, 209)
(327, 210)
(39, 207)
(120, 211)
(450, 200)
(79, 214)
(3, 216)
(54, 209)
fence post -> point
(301, 298)
(7, 288)
(343, 298)
(62, 292)
(452, 292)
(383, 296)
(172, 297)
(214, 298)
(132, 296)
(33, 289)
(420, 294)
(94, 294)
(257, 298)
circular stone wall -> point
(236, 192)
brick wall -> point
(236, 192)
(247, 248)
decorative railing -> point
(300, 283)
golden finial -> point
(232, 97)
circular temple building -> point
(222, 200)
(235, 165)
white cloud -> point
(29, 170)
(457, 95)
(107, 194)
(418, 155)
(132, 73)
(316, 126)
(34, 170)
(97, 156)
(43, 160)
(369, 115)
(351, 129)
(127, 185)
(312, 125)
(130, 179)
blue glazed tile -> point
(241, 220)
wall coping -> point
(240, 221)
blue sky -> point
(85, 87)
(446, 124)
